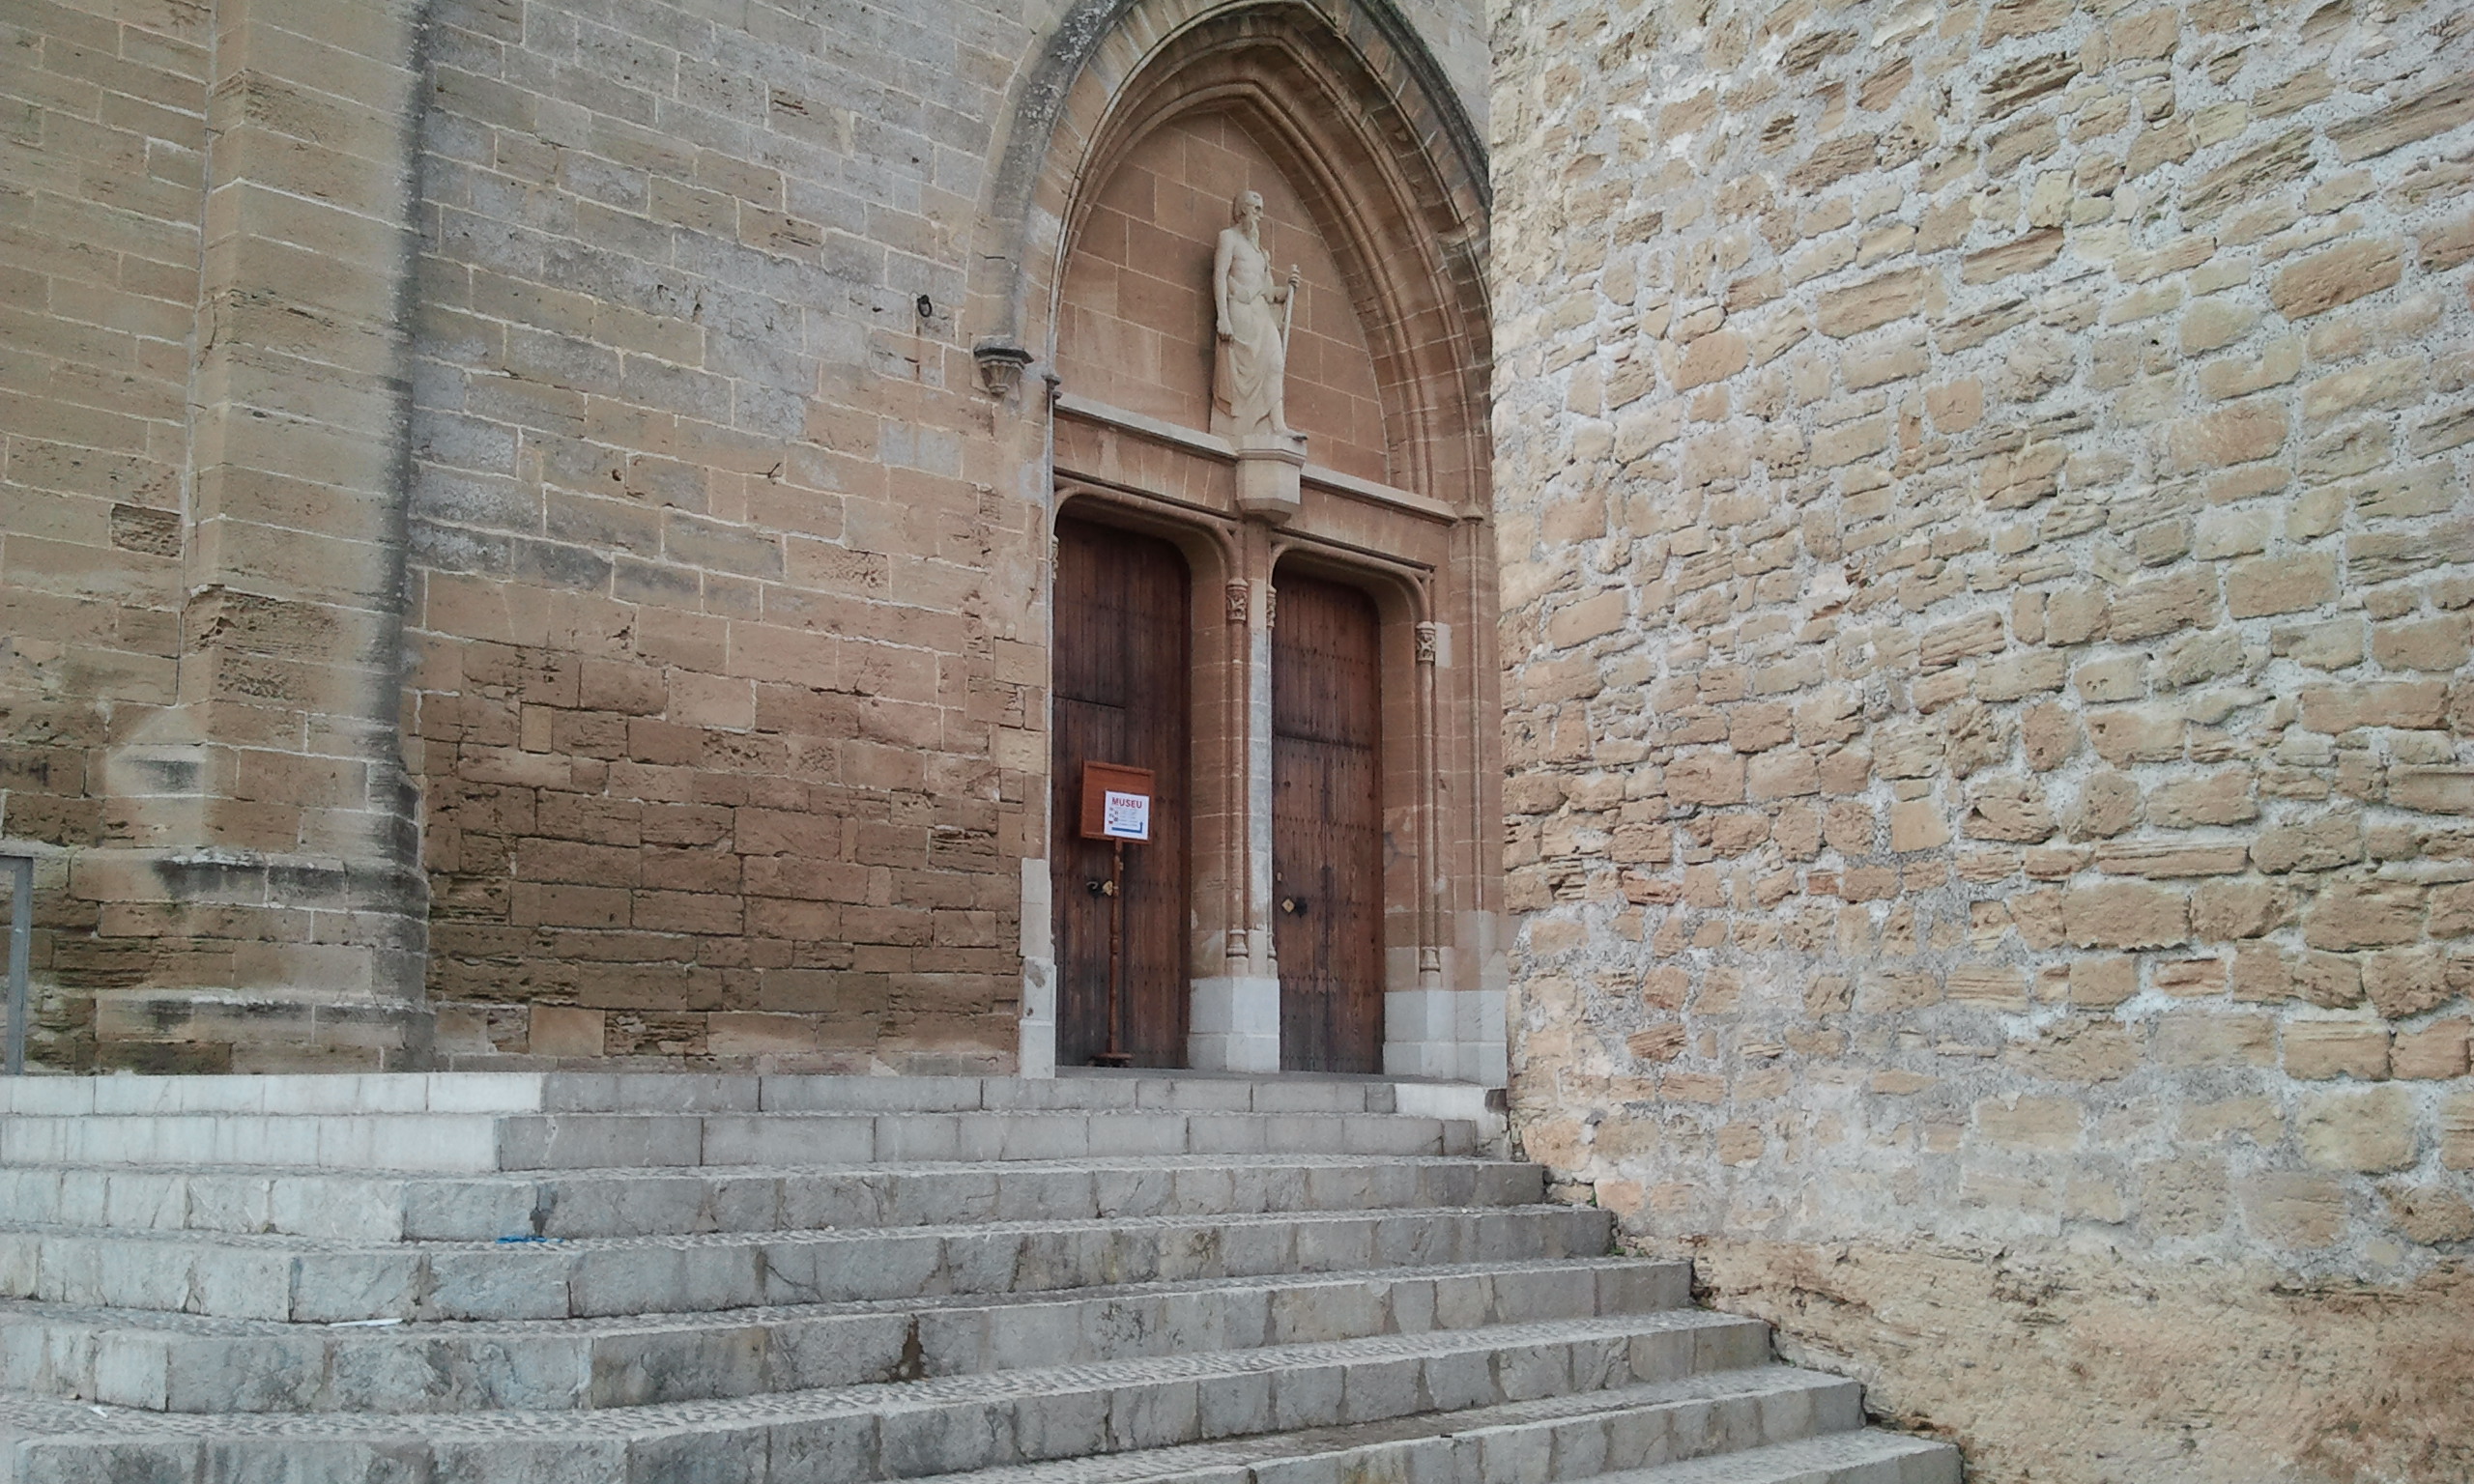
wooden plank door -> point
(1122, 658)
(1327, 826)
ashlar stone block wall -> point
(1989, 568)
(503, 549)
(730, 703)
(102, 174)
(201, 230)
(729, 708)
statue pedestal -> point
(1268, 477)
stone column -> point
(1237, 946)
(1421, 1032)
(1236, 1012)
(263, 833)
(1429, 867)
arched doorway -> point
(1340, 747)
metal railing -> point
(22, 947)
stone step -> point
(1868, 1457)
(477, 1142)
(556, 1092)
(631, 1278)
(1553, 1440)
(304, 1280)
(742, 1198)
(186, 1363)
(905, 1430)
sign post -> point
(1116, 807)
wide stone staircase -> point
(554, 1278)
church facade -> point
(1871, 605)
(545, 535)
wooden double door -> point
(1123, 694)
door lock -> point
(1294, 906)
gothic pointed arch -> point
(1347, 105)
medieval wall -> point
(102, 175)
(727, 593)
(198, 687)
(598, 383)
(1991, 739)
(729, 683)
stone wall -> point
(1991, 743)
(205, 244)
(729, 703)
(102, 172)
(728, 594)
(503, 549)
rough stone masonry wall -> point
(1988, 565)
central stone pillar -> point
(1236, 1012)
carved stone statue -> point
(1251, 369)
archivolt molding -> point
(1354, 110)
(1207, 538)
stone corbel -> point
(1270, 479)
(1001, 363)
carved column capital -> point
(1426, 645)
(1240, 596)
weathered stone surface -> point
(2362, 914)
(2338, 276)
(2125, 916)
(517, 523)
(2287, 585)
(2317, 844)
(1935, 1304)
(1875, 301)
(2437, 1052)
(2367, 1130)
(2317, 1049)
(2124, 482)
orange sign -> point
(1116, 802)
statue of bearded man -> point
(1250, 367)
